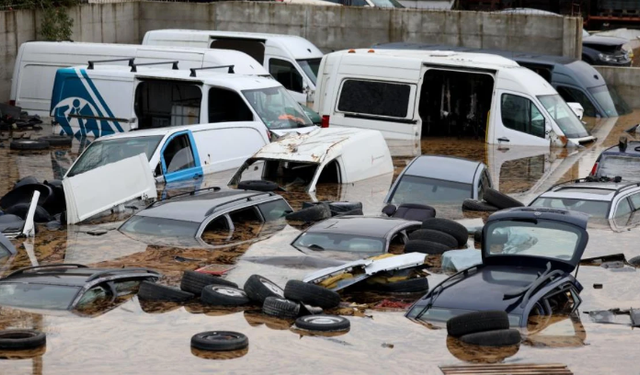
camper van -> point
(98, 100)
(408, 95)
(293, 61)
(37, 62)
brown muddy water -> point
(131, 337)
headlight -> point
(604, 57)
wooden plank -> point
(501, 369)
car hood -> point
(609, 41)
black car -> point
(69, 286)
(528, 255)
(604, 50)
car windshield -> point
(566, 119)
(414, 189)
(597, 209)
(112, 150)
(339, 242)
(310, 68)
(160, 227)
(620, 165)
(387, 4)
(276, 108)
(537, 238)
(610, 100)
(38, 296)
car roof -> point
(174, 129)
(571, 217)
(629, 151)
(369, 226)
(72, 275)
(196, 207)
(601, 191)
(443, 168)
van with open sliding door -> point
(293, 61)
(408, 95)
(37, 63)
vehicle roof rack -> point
(174, 65)
(92, 62)
(616, 180)
(230, 71)
(233, 201)
(55, 265)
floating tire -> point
(26, 181)
(24, 194)
(219, 341)
(501, 337)
(194, 282)
(323, 323)
(57, 140)
(310, 214)
(479, 321)
(281, 308)
(21, 339)
(500, 200)
(311, 294)
(635, 261)
(219, 295)
(434, 236)
(156, 292)
(22, 210)
(258, 288)
(475, 205)
(28, 145)
(415, 285)
(455, 229)
(425, 247)
(258, 185)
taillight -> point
(325, 122)
(594, 169)
(12, 102)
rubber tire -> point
(434, 236)
(24, 194)
(474, 205)
(502, 201)
(635, 261)
(455, 229)
(257, 185)
(311, 294)
(21, 339)
(323, 323)
(258, 288)
(281, 308)
(26, 181)
(28, 144)
(477, 236)
(356, 212)
(477, 321)
(157, 292)
(415, 285)
(310, 214)
(225, 341)
(11, 222)
(425, 247)
(501, 337)
(194, 282)
(57, 140)
(22, 210)
(211, 296)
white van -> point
(412, 94)
(37, 62)
(293, 61)
(105, 99)
(177, 153)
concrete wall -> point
(625, 80)
(333, 28)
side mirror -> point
(577, 109)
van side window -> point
(521, 114)
(570, 94)
(178, 154)
(374, 98)
(167, 103)
(225, 105)
(285, 73)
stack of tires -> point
(493, 201)
(437, 236)
(483, 328)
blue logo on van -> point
(80, 110)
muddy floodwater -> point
(134, 337)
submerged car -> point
(431, 179)
(210, 217)
(621, 160)
(70, 286)
(528, 255)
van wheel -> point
(434, 236)
(455, 229)
(28, 144)
(258, 185)
(502, 201)
(425, 247)
(156, 292)
(479, 321)
(502, 337)
(474, 205)
(57, 140)
(310, 214)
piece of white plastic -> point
(29, 228)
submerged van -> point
(412, 94)
(98, 100)
(291, 60)
(575, 80)
(37, 63)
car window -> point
(163, 103)
(340, 242)
(39, 296)
(92, 296)
(413, 189)
(227, 105)
(624, 208)
(635, 200)
(375, 98)
(287, 74)
(311, 67)
(217, 231)
(619, 165)
(522, 115)
(156, 226)
(178, 154)
(569, 94)
(274, 210)
(277, 108)
(598, 209)
(563, 116)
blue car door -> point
(179, 158)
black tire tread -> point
(500, 200)
(480, 206)
(199, 341)
(28, 144)
(57, 140)
(434, 236)
(310, 214)
(257, 185)
(193, 281)
(425, 247)
(257, 291)
(311, 294)
(27, 339)
(281, 308)
(501, 337)
(157, 292)
(342, 324)
(478, 321)
(455, 229)
(209, 296)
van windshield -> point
(110, 151)
(276, 108)
(310, 68)
(611, 102)
(566, 119)
(387, 4)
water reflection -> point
(480, 354)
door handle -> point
(503, 139)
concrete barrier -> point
(625, 80)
